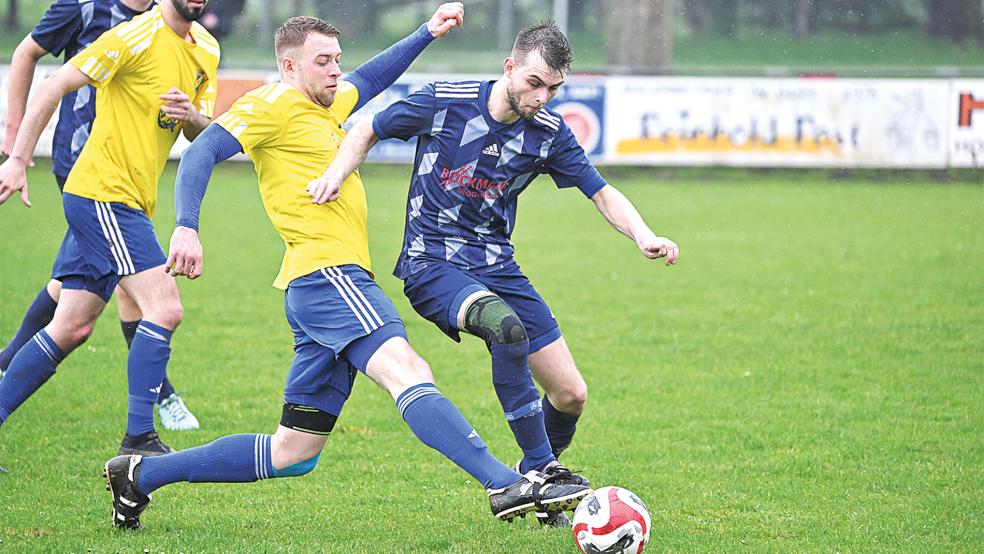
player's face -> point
(318, 68)
(189, 9)
(531, 84)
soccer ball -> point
(611, 520)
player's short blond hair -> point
(292, 34)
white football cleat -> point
(175, 416)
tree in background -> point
(12, 23)
(959, 21)
(801, 19)
(640, 35)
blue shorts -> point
(105, 241)
(438, 292)
(339, 317)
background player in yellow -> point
(342, 321)
(68, 26)
(155, 77)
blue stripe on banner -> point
(523, 411)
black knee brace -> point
(492, 320)
(307, 419)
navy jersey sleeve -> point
(385, 68)
(569, 166)
(59, 26)
(407, 118)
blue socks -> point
(521, 402)
(31, 367)
(231, 459)
(129, 329)
(38, 315)
(247, 458)
(438, 424)
(149, 353)
(560, 426)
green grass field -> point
(807, 379)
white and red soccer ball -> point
(611, 520)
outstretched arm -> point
(211, 147)
(377, 74)
(13, 177)
(351, 154)
(22, 66)
(624, 217)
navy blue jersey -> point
(67, 27)
(469, 170)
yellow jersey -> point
(291, 141)
(131, 65)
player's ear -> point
(508, 65)
(287, 65)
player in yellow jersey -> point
(155, 76)
(342, 321)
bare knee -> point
(396, 367)
(289, 447)
(168, 315)
(69, 336)
(570, 397)
(418, 369)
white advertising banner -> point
(966, 119)
(777, 122)
(694, 121)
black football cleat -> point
(553, 519)
(535, 491)
(561, 475)
(128, 502)
(148, 445)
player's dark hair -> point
(295, 31)
(547, 39)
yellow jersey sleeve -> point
(255, 119)
(103, 58)
(345, 100)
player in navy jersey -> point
(66, 28)
(479, 145)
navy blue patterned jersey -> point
(67, 27)
(469, 170)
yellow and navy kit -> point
(131, 66)
(291, 141)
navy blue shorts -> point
(105, 241)
(438, 291)
(339, 317)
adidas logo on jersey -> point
(491, 150)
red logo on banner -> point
(967, 106)
(583, 122)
